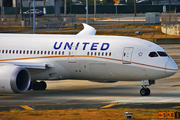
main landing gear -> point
(146, 91)
(37, 85)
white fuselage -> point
(96, 58)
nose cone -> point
(171, 67)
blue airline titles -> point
(94, 46)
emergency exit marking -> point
(168, 115)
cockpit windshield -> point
(158, 53)
(153, 54)
(162, 54)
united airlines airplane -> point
(26, 58)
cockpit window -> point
(153, 54)
(162, 54)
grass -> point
(147, 32)
(84, 114)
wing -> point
(31, 65)
(88, 30)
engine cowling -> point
(13, 79)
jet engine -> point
(13, 79)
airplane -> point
(26, 59)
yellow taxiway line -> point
(110, 105)
(176, 107)
(26, 107)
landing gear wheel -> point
(148, 91)
(35, 86)
(38, 85)
(30, 86)
(42, 85)
(145, 91)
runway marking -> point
(176, 107)
(110, 105)
(26, 107)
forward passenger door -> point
(127, 55)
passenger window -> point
(24, 52)
(34, 52)
(27, 51)
(91, 53)
(9, 51)
(59, 52)
(55, 52)
(37, 52)
(106, 53)
(45, 52)
(102, 53)
(41, 52)
(6, 51)
(110, 54)
(16, 51)
(162, 54)
(63, 53)
(99, 53)
(13, 51)
(95, 53)
(48, 52)
(20, 52)
(52, 52)
(153, 54)
(87, 53)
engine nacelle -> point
(14, 79)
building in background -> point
(38, 3)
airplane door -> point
(72, 55)
(127, 55)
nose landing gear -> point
(146, 91)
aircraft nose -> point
(171, 67)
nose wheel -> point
(145, 91)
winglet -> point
(88, 30)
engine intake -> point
(14, 79)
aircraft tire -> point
(148, 91)
(145, 91)
(35, 86)
(30, 86)
(42, 85)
